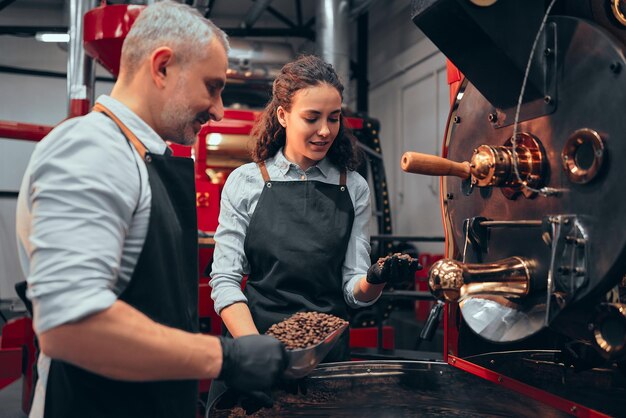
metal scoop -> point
(302, 361)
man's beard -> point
(179, 120)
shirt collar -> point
(283, 164)
(150, 139)
(324, 166)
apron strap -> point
(264, 173)
(266, 176)
(342, 178)
(139, 146)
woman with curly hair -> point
(296, 220)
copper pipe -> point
(450, 280)
(513, 168)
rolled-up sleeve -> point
(81, 190)
(230, 263)
(357, 259)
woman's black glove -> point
(394, 268)
(252, 363)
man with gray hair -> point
(107, 235)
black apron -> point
(164, 286)
(296, 245)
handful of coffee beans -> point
(381, 260)
(305, 329)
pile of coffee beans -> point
(305, 329)
(401, 256)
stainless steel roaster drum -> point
(384, 389)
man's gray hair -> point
(170, 24)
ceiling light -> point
(52, 37)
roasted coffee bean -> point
(381, 260)
(305, 329)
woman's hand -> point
(394, 268)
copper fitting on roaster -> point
(490, 165)
(609, 330)
(451, 280)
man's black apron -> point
(296, 245)
(164, 286)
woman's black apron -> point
(296, 245)
(164, 286)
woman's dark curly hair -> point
(307, 71)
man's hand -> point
(252, 363)
(396, 268)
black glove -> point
(251, 402)
(396, 268)
(252, 362)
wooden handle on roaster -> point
(415, 162)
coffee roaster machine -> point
(532, 196)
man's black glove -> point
(394, 268)
(252, 362)
(251, 402)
